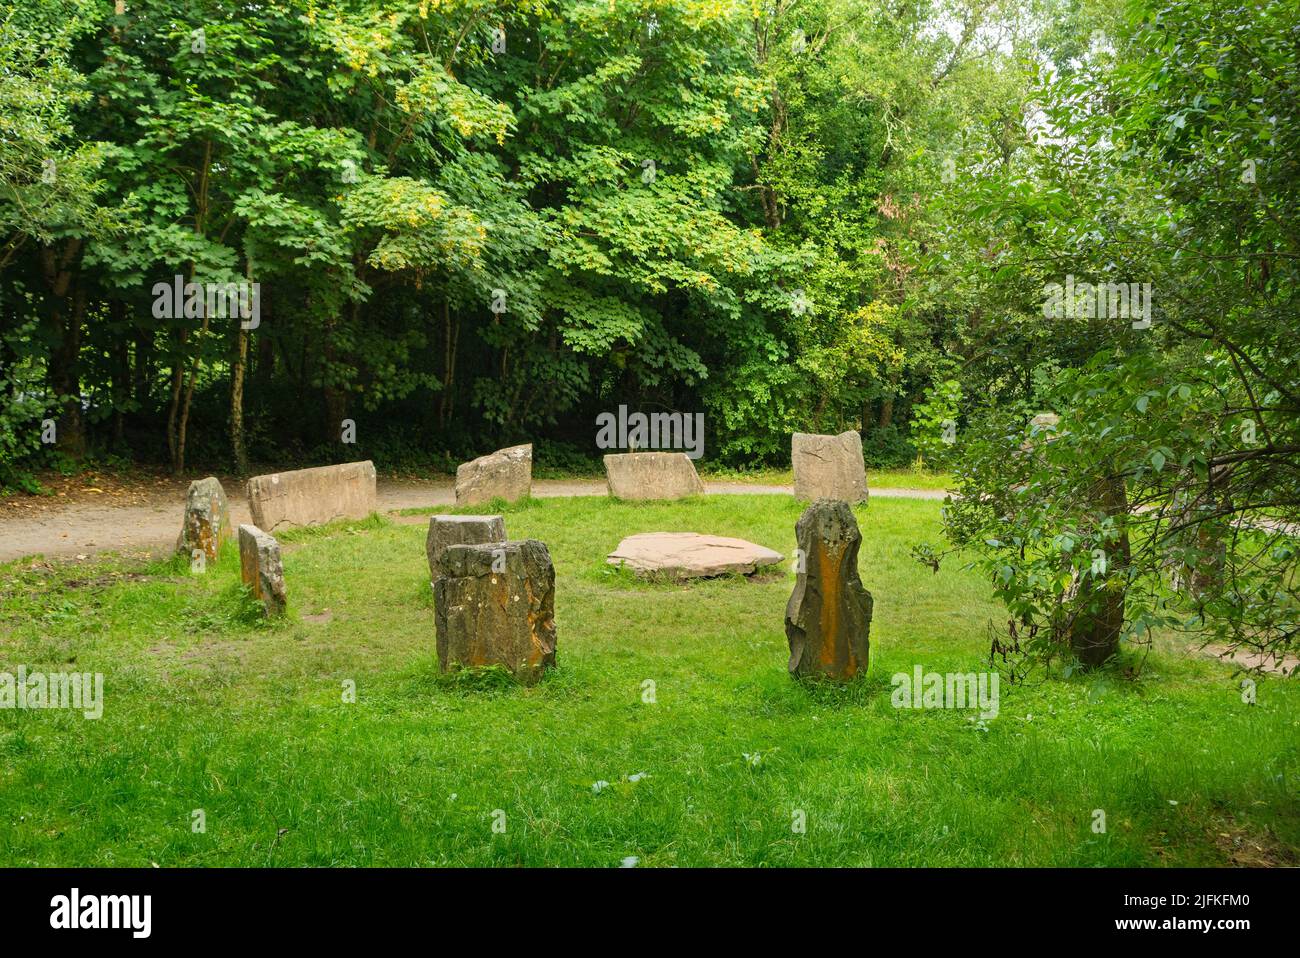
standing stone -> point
(447, 531)
(495, 605)
(505, 474)
(828, 618)
(828, 467)
(260, 568)
(306, 497)
(207, 518)
(652, 475)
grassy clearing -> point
(209, 708)
(904, 478)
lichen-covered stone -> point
(505, 474)
(495, 605)
(828, 617)
(206, 523)
(260, 568)
(447, 531)
(307, 497)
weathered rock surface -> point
(690, 555)
(306, 497)
(828, 618)
(495, 605)
(828, 467)
(206, 523)
(505, 474)
(447, 531)
(260, 568)
(652, 475)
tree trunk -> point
(142, 374)
(451, 339)
(121, 369)
(1096, 612)
(237, 367)
(183, 426)
(886, 412)
(173, 406)
(59, 268)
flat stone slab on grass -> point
(447, 531)
(690, 555)
(652, 475)
(307, 497)
(828, 467)
(505, 474)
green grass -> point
(209, 708)
(902, 478)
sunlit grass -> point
(208, 707)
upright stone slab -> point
(206, 523)
(828, 467)
(828, 618)
(652, 475)
(308, 497)
(260, 568)
(505, 474)
(447, 531)
(495, 605)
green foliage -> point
(934, 426)
(1170, 165)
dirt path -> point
(80, 523)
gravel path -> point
(82, 527)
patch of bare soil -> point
(1245, 848)
(1273, 662)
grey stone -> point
(828, 467)
(828, 617)
(206, 523)
(260, 568)
(495, 605)
(689, 555)
(306, 497)
(652, 475)
(505, 474)
(447, 531)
